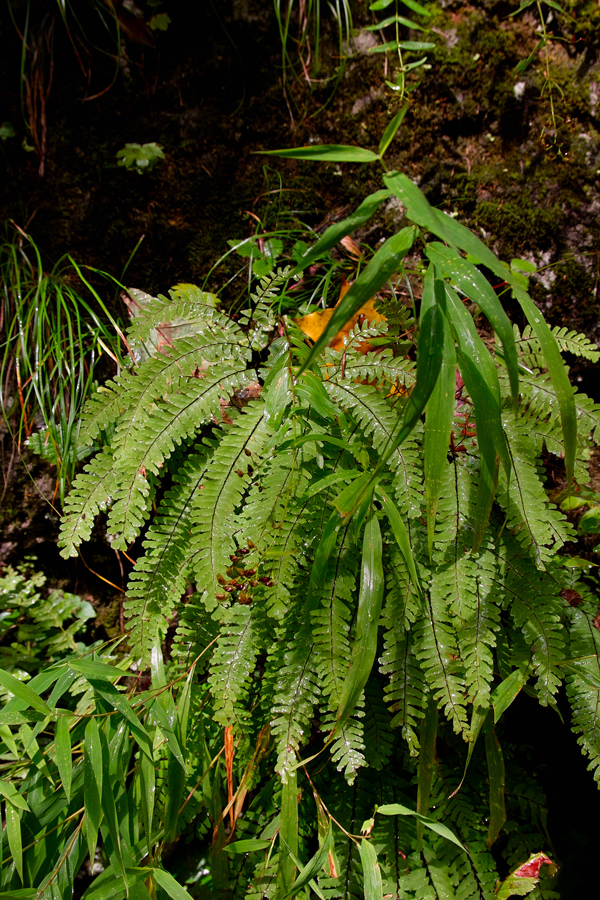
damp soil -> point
(482, 141)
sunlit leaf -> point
(367, 622)
(326, 153)
(373, 885)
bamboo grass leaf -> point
(376, 273)
(62, 753)
(472, 283)
(373, 885)
(326, 153)
(169, 884)
(398, 809)
(497, 778)
(24, 693)
(338, 230)
(458, 235)
(288, 835)
(439, 414)
(92, 784)
(13, 833)
(367, 622)
(392, 128)
(311, 869)
(400, 533)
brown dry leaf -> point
(351, 246)
(315, 323)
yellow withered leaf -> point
(315, 323)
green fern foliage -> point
(244, 496)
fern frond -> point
(91, 492)
(535, 522)
(378, 736)
(583, 685)
(568, 341)
(296, 693)
(227, 479)
(260, 318)
(537, 612)
(158, 580)
(274, 524)
(174, 420)
(466, 585)
(378, 421)
(167, 372)
(437, 652)
(233, 663)
(159, 317)
(103, 409)
(407, 688)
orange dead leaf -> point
(315, 323)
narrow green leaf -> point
(507, 690)
(481, 378)
(109, 884)
(367, 622)
(376, 273)
(323, 484)
(13, 833)
(472, 283)
(24, 693)
(390, 132)
(451, 231)
(429, 361)
(109, 808)
(7, 736)
(380, 4)
(10, 792)
(183, 707)
(326, 153)
(162, 720)
(62, 752)
(373, 886)
(396, 809)
(19, 894)
(415, 45)
(438, 415)
(416, 7)
(288, 835)
(337, 231)
(497, 778)
(92, 784)
(170, 885)
(91, 668)
(401, 534)
(248, 846)
(392, 20)
(121, 704)
(147, 775)
(311, 869)
(524, 5)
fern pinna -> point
(261, 504)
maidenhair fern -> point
(349, 579)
